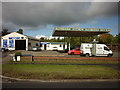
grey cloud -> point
(104, 9)
(10, 26)
(48, 0)
(0, 16)
(40, 14)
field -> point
(46, 71)
(61, 67)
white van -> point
(88, 49)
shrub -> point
(18, 54)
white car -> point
(35, 48)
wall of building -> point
(32, 43)
(8, 41)
(59, 46)
(50, 46)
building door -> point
(20, 44)
(44, 46)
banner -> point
(14, 37)
(82, 29)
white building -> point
(53, 46)
(16, 41)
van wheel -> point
(72, 53)
(109, 55)
(87, 55)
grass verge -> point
(45, 72)
(68, 62)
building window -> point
(105, 48)
(11, 43)
(5, 43)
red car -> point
(74, 51)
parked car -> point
(55, 48)
(3, 49)
(74, 51)
(71, 48)
(36, 48)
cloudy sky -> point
(40, 18)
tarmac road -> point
(46, 53)
(80, 84)
(6, 55)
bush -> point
(18, 54)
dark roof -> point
(78, 32)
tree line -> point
(105, 38)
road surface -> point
(79, 84)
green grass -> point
(38, 71)
(69, 62)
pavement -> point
(47, 53)
(95, 84)
(8, 55)
(9, 82)
(62, 80)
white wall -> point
(13, 37)
(50, 46)
(42, 48)
(22, 37)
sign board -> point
(62, 28)
(18, 58)
(14, 37)
(82, 29)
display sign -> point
(14, 37)
(82, 29)
(62, 28)
(4, 43)
(11, 43)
